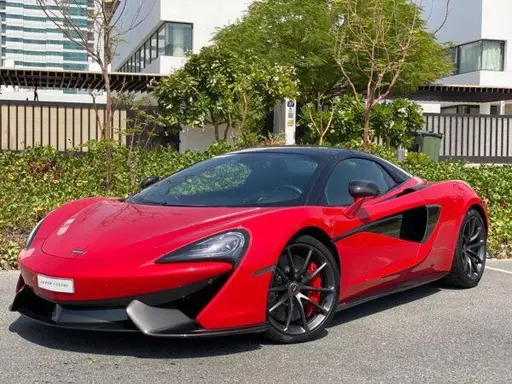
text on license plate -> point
(55, 285)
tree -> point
(108, 21)
(382, 46)
(326, 42)
(217, 87)
(296, 33)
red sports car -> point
(272, 240)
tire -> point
(471, 248)
(302, 300)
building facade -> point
(165, 31)
(479, 33)
(29, 39)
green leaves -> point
(393, 122)
(217, 87)
(9, 251)
(368, 47)
(292, 33)
(34, 182)
(385, 44)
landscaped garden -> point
(340, 61)
(34, 182)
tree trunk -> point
(216, 126)
(226, 132)
(366, 132)
(108, 107)
(107, 128)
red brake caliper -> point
(313, 295)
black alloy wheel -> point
(304, 292)
(471, 253)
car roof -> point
(331, 154)
(326, 152)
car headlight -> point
(229, 246)
(32, 234)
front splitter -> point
(137, 317)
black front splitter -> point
(135, 317)
(199, 333)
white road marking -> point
(499, 270)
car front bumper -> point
(170, 314)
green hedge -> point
(36, 181)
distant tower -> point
(30, 40)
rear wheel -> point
(470, 255)
(303, 293)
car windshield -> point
(234, 180)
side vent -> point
(433, 214)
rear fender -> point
(455, 199)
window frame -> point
(455, 53)
(147, 52)
(304, 200)
(151, 48)
(386, 168)
(153, 44)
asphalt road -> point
(427, 335)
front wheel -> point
(471, 252)
(303, 293)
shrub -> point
(35, 181)
(9, 250)
(392, 122)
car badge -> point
(78, 252)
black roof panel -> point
(301, 149)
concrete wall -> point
(496, 25)
(471, 20)
(197, 139)
(169, 64)
(146, 18)
(472, 78)
(430, 107)
(205, 15)
(8, 93)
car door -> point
(380, 241)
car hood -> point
(108, 228)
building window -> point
(461, 110)
(137, 61)
(161, 41)
(483, 55)
(154, 47)
(147, 51)
(178, 39)
(141, 58)
(171, 39)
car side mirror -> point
(360, 189)
(148, 181)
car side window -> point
(336, 189)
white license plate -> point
(55, 285)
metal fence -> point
(24, 124)
(473, 138)
(65, 126)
